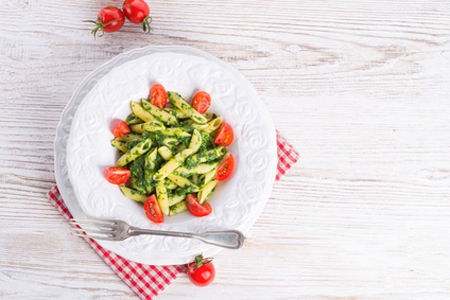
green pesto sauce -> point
(146, 146)
(149, 179)
(172, 112)
(159, 161)
(182, 190)
(131, 144)
(133, 119)
(210, 156)
(185, 141)
(185, 106)
(186, 125)
(207, 142)
(191, 162)
(195, 178)
(156, 137)
(137, 174)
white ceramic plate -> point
(236, 203)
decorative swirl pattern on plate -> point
(253, 137)
(238, 201)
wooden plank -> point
(360, 88)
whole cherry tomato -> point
(201, 272)
(109, 19)
(137, 11)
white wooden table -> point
(361, 88)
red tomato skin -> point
(195, 208)
(201, 101)
(111, 13)
(117, 175)
(158, 95)
(225, 135)
(226, 168)
(152, 210)
(201, 276)
(121, 129)
(135, 10)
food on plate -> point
(109, 19)
(194, 206)
(121, 129)
(201, 271)
(152, 210)
(137, 11)
(172, 154)
(225, 168)
(225, 135)
(117, 175)
(201, 102)
(158, 96)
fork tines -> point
(93, 228)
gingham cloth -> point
(148, 281)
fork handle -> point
(231, 239)
(138, 231)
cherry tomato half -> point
(195, 208)
(201, 101)
(117, 175)
(152, 210)
(109, 19)
(201, 272)
(121, 129)
(226, 168)
(137, 11)
(158, 95)
(225, 135)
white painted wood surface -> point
(361, 88)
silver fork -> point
(117, 230)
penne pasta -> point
(177, 113)
(182, 105)
(132, 194)
(180, 180)
(176, 199)
(206, 190)
(141, 113)
(163, 198)
(170, 153)
(165, 152)
(151, 126)
(161, 114)
(177, 208)
(134, 153)
(119, 145)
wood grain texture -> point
(361, 88)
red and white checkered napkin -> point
(148, 281)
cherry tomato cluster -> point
(111, 18)
(201, 101)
